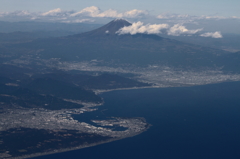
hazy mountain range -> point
(105, 45)
(147, 58)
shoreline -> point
(80, 147)
(100, 91)
(97, 143)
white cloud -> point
(16, 13)
(52, 12)
(89, 11)
(179, 29)
(235, 17)
(213, 17)
(173, 16)
(191, 17)
(21, 13)
(110, 14)
(78, 21)
(217, 17)
(95, 12)
(57, 12)
(138, 27)
(177, 18)
(3, 14)
(216, 34)
(135, 13)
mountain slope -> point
(62, 90)
(108, 29)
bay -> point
(187, 122)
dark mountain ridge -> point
(15, 96)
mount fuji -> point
(140, 50)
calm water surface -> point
(201, 122)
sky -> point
(215, 16)
(193, 7)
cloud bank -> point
(89, 11)
(58, 15)
(138, 27)
(173, 16)
(135, 13)
(78, 21)
(190, 17)
(179, 29)
(95, 12)
(53, 12)
(216, 34)
(15, 14)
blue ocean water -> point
(200, 122)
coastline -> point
(82, 146)
(87, 105)
(85, 146)
(100, 91)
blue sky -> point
(193, 7)
(180, 16)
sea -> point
(198, 122)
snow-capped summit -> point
(109, 29)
